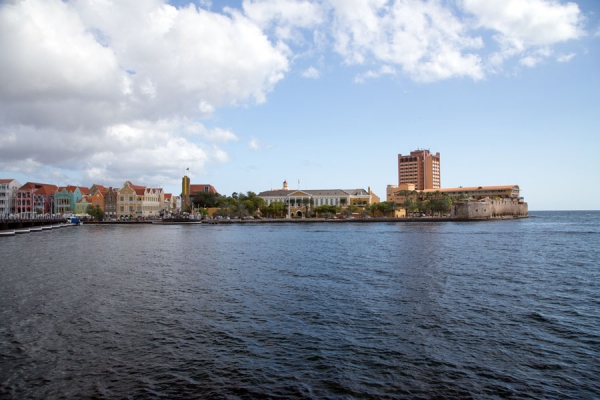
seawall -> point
(486, 209)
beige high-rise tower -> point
(420, 168)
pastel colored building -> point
(139, 201)
(8, 195)
(35, 198)
(66, 197)
(82, 205)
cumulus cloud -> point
(113, 86)
(116, 87)
(522, 27)
(424, 39)
(284, 17)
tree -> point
(275, 208)
(391, 207)
(305, 203)
(410, 205)
(326, 210)
(352, 208)
(206, 199)
(95, 212)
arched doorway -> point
(298, 213)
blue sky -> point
(324, 92)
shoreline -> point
(300, 221)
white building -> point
(8, 188)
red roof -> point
(200, 188)
(39, 188)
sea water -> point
(490, 309)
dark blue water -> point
(500, 309)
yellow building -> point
(140, 201)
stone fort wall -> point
(489, 209)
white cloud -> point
(528, 23)
(423, 38)
(285, 15)
(255, 144)
(565, 57)
(384, 70)
(311, 73)
(115, 86)
(520, 26)
(529, 61)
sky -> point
(322, 93)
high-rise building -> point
(420, 168)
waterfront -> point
(488, 309)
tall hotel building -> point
(420, 168)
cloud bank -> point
(122, 89)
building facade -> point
(8, 190)
(110, 202)
(301, 201)
(420, 168)
(66, 197)
(35, 198)
(139, 201)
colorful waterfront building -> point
(8, 195)
(33, 199)
(140, 201)
(66, 197)
(82, 205)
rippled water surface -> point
(502, 309)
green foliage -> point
(326, 210)
(276, 208)
(352, 208)
(205, 199)
(95, 212)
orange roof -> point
(168, 196)
(72, 188)
(460, 189)
(85, 199)
(6, 180)
(200, 188)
